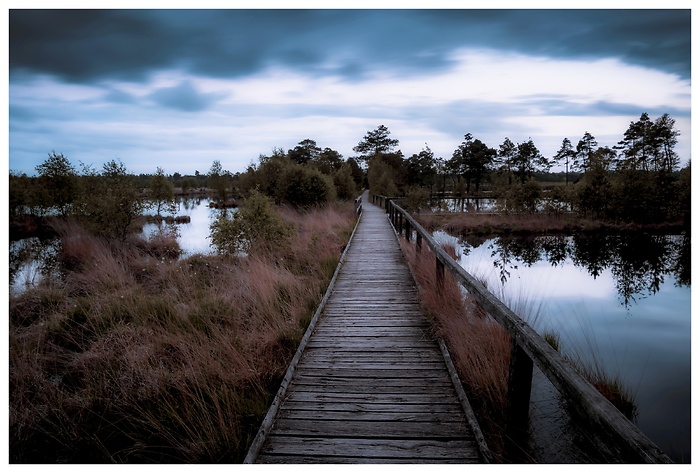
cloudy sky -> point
(179, 89)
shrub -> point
(344, 183)
(304, 187)
(161, 192)
(416, 199)
(381, 178)
(108, 202)
(255, 226)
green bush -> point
(381, 178)
(416, 198)
(254, 228)
(108, 203)
(305, 187)
(344, 183)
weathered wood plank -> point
(375, 376)
(435, 417)
(372, 428)
(373, 408)
(318, 355)
(307, 379)
(387, 398)
(373, 448)
(395, 343)
(361, 388)
(299, 459)
(367, 365)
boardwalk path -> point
(372, 385)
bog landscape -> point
(489, 299)
(167, 355)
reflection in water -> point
(638, 262)
(193, 237)
(32, 259)
(620, 302)
(461, 205)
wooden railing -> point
(607, 426)
(358, 205)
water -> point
(620, 301)
(480, 204)
(193, 237)
(32, 259)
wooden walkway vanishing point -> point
(371, 384)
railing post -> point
(408, 231)
(400, 219)
(518, 411)
(419, 241)
(439, 273)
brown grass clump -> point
(479, 346)
(137, 356)
(486, 224)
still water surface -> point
(620, 301)
(193, 237)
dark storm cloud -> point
(183, 97)
(88, 45)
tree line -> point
(638, 180)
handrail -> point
(529, 347)
(358, 205)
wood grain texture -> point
(372, 385)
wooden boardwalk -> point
(372, 385)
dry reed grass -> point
(476, 224)
(479, 346)
(135, 356)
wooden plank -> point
(319, 355)
(374, 448)
(362, 388)
(395, 343)
(386, 398)
(435, 417)
(355, 331)
(372, 428)
(373, 408)
(377, 375)
(299, 459)
(367, 365)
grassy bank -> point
(138, 356)
(480, 348)
(463, 224)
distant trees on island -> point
(637, 180)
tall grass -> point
(137, 356)
(490, 224)
(479, 346)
